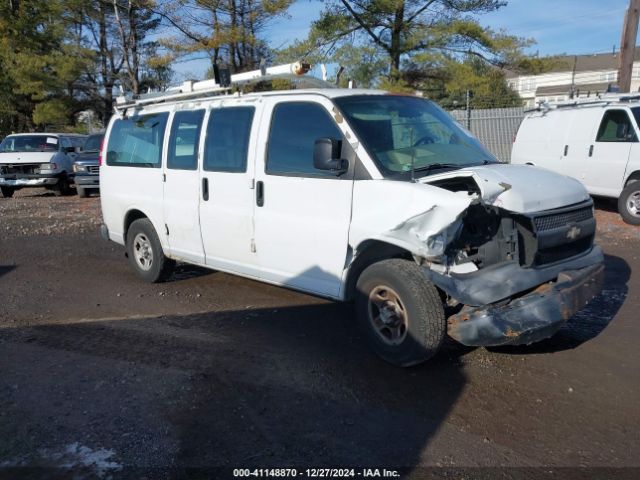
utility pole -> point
(628, 45)
(469, 95)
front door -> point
(302, 215)
(226, 194)
(609, 153)
(181, 187)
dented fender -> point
(430, 216)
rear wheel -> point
(145, 252)
(7, 192)
(401, 312)
(629, 203)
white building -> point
(585, 75)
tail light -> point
(100, 154)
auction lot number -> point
(315, 473)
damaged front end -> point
(515, 278)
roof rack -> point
(600, 99)
(222, 83)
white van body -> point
(596, 142)
(319, 232)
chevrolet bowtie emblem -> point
(574, 233)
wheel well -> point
(370, 252)
(132, 216)
(634, 177)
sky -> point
(557, 26)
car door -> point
(226, 194)
(609, 154)
(302, 215)
(578, 126)
(182, 187)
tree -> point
(135, 20)
(401, 29)
(487, 84)
(40, 63)
(226, 31)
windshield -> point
(92, 144)
(29, 143)
(400, 132)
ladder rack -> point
(221, 84)
(603, 100)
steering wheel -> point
(424, 141)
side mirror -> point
(326, 156)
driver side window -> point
(616, 126)
(295, 127)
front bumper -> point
(88, 181)
(529, 318)
(25, 180)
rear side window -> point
(295, 127)
(137, 141)
(227, 141)
(616, 127)
(184, 140)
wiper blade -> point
(436, 166)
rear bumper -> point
(529, 318)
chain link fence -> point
(496, 128)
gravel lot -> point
(102, 376)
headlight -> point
(48, 166)
(79, 168)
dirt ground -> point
(103, 376)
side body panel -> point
(301, 230)
(125, 189)
(227, 212)
(181, 198)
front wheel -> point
(7, 192)
(62, 189)
(145, 252)
(400, 311)
(629, 203)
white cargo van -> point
(352, 195)
(592, 140)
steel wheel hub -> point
(143, 252)
(387, 315)
(633, 204)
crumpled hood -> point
(521, 188)
(26, 157)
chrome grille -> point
(558, 220)
(93, 169)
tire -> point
(82, 192)
(7, 192)
(629, 203)
(408, 299)
(62, 189)
(145, 252)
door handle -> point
(260, 194)
(566, 150)
(205, 189)
(591, 151)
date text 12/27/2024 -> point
(315, 473)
